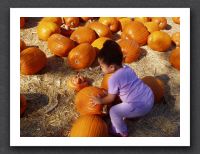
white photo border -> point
(16, 140)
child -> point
(137, 98)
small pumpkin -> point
(124, 22)
(159, 41)
(98, 43)
(157, 86)
(22, 22)
(83, 35)
(32, 60)
(104, 83)
(81, 56)
(23, 104)
(71, 22)
(78, 82)
(176, 20)
(60, 45)
(161, 21)
(100, 29)
(174, 58)
(45, 29)
(89, 126)
(22, 45)
(83, 103)
(142, 19)
(56, 20)
(136, 31)
(130, 50)
(111, 22)
(152, 26)
(176, 38)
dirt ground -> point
(51, 110)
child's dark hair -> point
(111, 53)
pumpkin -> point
(104, 83)
(83, 35)
(98, 43)
(86, 18)
(78, 82)
(176, 20)
(71, 22)
(124, 22)
(56, 20)
(142, 19)
(83, 103)
(22, 45)
(159, 41)
(161, 21)
(100, 29)
(111, 22)
(81, 56)
(45, 29)
(60, 45)
(23, 104)
(176, 38)
(32, 60)
(89, 126)
(22, 22)
(151, 26)
(174, 58)
(130, 50)
(157, 86)
(136, 31)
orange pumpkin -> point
(124, 22)
(152, 26)
(111, 22)
(32, 60)
(161, 21)
(100, 29)
(136, 31)
(130, 50)
(22, 22)
(104, 83)
(83, 103)
(176, 20)
(81, 56)
(142, 19)
(22, 45)
(71, 22)
(46, 29)
(174, 58)
(60, 45)
(83, 35)
(157, 86)
(78, 82)
(56, 20)
(86, 18)
(98, 43)
(23, 104)
(89, 126)
(176, 38)
(159, 41)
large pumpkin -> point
(89, 126)
(71, 22)
(81, 56)
(22, 45)
(152, 26)
(161, 21)
(176, 38)
(142, 19)
(159, 41)
(130, 50)
(98, 43)
(176, 20)
(174, 58)
(45, 29)
(83, 35)
(111, 22)
(60, 45)
(23, 104)
(157, 86)
(104, 83)
(56, 20)
(136, 31)
(124, 22)
(83, 103)
(100, 29)
(32, 60)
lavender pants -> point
(128, 110)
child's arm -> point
(105, 100)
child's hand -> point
(95, 100)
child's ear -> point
(112, 67)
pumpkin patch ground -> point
(51, 109)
